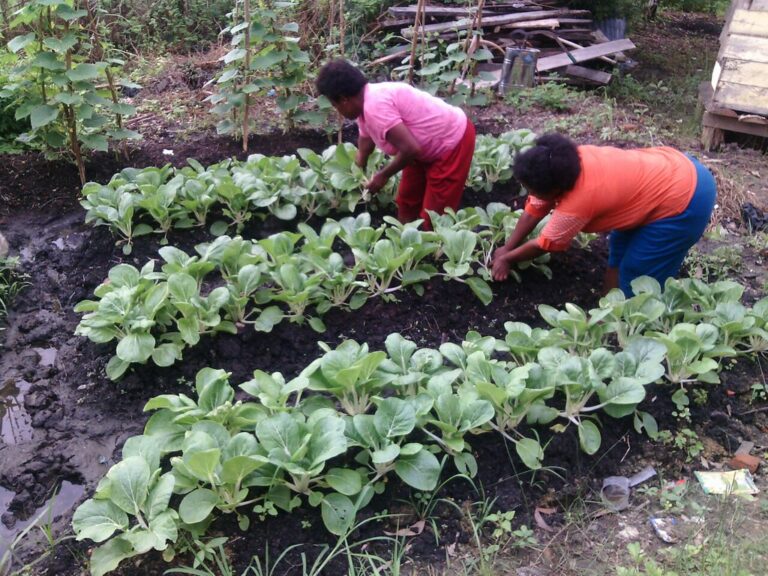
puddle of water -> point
(68, 495)
(47, 356)
(15, 422)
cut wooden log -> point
(493, 21)
(583, 54)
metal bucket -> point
(518, 69)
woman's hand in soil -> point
(500, 252)
(501, 266)
(376, 183)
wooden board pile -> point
(565, 37)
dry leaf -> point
(412, 530)
(540, 522)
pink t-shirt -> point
(437, 127)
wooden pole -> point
(418, 22)
(247, 41)
(342, 25)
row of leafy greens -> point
(137, 202)
(295, 276)
(331, 436)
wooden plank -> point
(492, 21)
(395, 23)
(742, 47)
(583, 54)
(546, 23)
(589, 74)
(742, 98)
(705, 97)
(733, 125)
(746, 73)
(749, 23)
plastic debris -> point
(738, 482)
(664, 528)
(615, 491)
(754, 218)
(167, 152)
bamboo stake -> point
(417, 23)
(342, 25)
(247, 40)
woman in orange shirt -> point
(656, 202)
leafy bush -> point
(152, 25)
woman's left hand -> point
(376, 183)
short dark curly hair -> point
(340, 79)
(550, 168)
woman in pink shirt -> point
(431, 142)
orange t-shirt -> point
(617, 190)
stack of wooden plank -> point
(736, 99)
(565, 37)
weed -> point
(12, 282)
(719, 264)
(549, 96)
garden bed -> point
(63, 420)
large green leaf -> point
(197, 505)
(394, 417)
(530, 452)
(97, 520)
(345, 481)
(83, 71)
(136, 347)
(338, 513)
(130, 483)
(108, 556)
(421, 471)
(42, 115)
(20, 42)
(589, 437)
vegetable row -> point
(331, 436)
(137, 202)
(296, 276)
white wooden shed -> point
(737, 97)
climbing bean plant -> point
(265, 59)
(62, 84)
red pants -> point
(436, 185)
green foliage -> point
(265, 56)
(449, 69)
(12, 282)
(142, 25)
(548, 96)
(63, 84)
(138, 202)
(288, 276)
(403, 412)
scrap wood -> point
(583, 54)
(562, 42)
(493, 21)
(404, 11)
(545, 23)
(588, 74)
